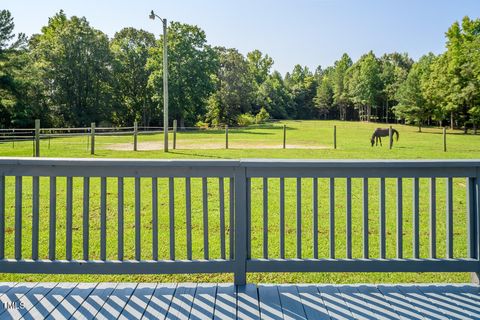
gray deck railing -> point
(66, 210)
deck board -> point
(116, 302)
(227, 301)
(204, 301)
(138, 302)
(95, 301)
(247, 302)
(49, 302)
(313, 303)
(182, 301)
(72, 301)
(160, 301)
(270, 305)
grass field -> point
(306, 139)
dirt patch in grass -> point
(189, 145)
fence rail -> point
(217, 216)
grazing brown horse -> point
(381, 132)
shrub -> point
(245, 119)
(262, 116)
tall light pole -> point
(165, 81)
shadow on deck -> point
(225, 301)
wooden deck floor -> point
(225, 301)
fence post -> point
(390, 136)
(240, 250)
(334, 137)
(444, 139)
(135, 135)
(37, 137)
(92, 138)
(174, 134)
(284, 136)
(226, 136)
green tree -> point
(364, 84)
(303, 88)
(75, 62)
(130, 48)
(13, 55)
(274, 96)
(259, 65)
(414, 105)
(191, 64)
(324, 98)
(340, 97)
(235, 90)
(395, 68)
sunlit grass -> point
(353, 143)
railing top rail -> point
(358, 163)
(71, 162)
(248, 163)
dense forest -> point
(71, 74)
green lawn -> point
(307, 139)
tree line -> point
(71, 74)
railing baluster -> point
(138, 221)
(315, 217)
(299, 218)
(121, 225)
(188, 211)
(365, 218)
(86, 214)
(18, 217)
(249, 218)
(332, 218)
(471, 212)
(154, 218)
(265, 218)
(221, 194)
(349, 217)
(69, 219)
(282, 218)
(399, 218)
(383, 234)
(2, 217)
(433, 218)
(416, 226)
(232, 217)
(53, 218)
(449, 222)
(103, 218)
(171, 210)
(205, 217)
(35, 216)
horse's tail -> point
(396, 133)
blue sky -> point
(307, 32)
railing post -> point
(174, 134)
(475, 224)
(240, 189)
(92, 138)
(284, 136)
(135, 135)
(37, 137)
(226, 136)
